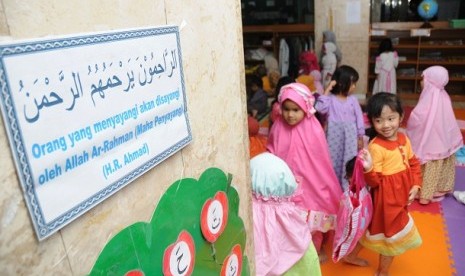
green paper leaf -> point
(140, 247)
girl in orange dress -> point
(394, 174)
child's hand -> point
(330, 86)
(360, 143)
(413, 193)
(367, 161)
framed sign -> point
(87, 114)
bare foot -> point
(440, 194)
(424, 201)
(322, 256)
(355, 261)
(437, 198)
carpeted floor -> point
(442, 227)
(454, 215)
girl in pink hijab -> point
(435, 135)
(308, 62)
(298, 138)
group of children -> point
(315, 75)
(396, 170)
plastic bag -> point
(354, 215)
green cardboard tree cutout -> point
(195, 230)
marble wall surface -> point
(211, 42)
(350, 21)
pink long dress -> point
(281, 234)
(304, 148)
(435, 134)
(432, 126)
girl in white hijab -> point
(329, 36)
(329, 62)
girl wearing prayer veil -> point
(329, 62)
(283, 243)
(298, 138)
(329, 36)
(435, 135)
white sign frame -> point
(88, 114)
(420, 32)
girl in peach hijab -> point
(435, 135)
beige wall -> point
(352, 39)
(211, 43)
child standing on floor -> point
(393, 172)
(257, 141)
(385, 68)
(435, 135)
(298, 138)
(308, 62)
(283, 244)
(330, 36)
(344, 119)
(329, 62)
(258, 100)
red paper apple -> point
(232, 265)
(179, 257)
(134, 272)
(214, 216)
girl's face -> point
(388, 123)
(292, 113)
(352, 88)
